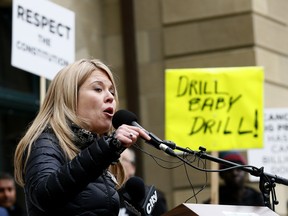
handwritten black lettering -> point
(211, 103)
(208, 102)
(197, 87)
(232, 101)
(225, 126)
(240, 131)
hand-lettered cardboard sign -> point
(216, 108)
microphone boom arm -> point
(266, 183)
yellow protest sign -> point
(216, 108)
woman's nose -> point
(109, 97)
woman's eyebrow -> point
(109, 84)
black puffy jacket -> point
(82, 186)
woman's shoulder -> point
(47, 136)
(44, 148)
(47, 141)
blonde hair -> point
(59, 107)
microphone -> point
(139, 198)
(129, 118)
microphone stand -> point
(267, 181)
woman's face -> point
(96, 102)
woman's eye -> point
(98, 89)
(112, 92)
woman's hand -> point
(128, 135)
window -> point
(19, 95)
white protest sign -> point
(274, 155)
(43, 37)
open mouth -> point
(109, 111)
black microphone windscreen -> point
(135, 187)
(137, 197)
(123, 117)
